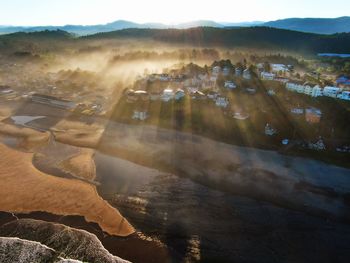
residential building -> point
(308, 90)
(230, 84)
(140, 115)
(269, 130)
(318, 146)
(247, 74)
(168, 94)
(276, 68)
(297, 111)
(198, 95)
(226, 71)
(316, 91)
(216, 70)
(212, 95)
(331, 91)
(343, 81)
(179, 94)
(344, 95)
(221, 102)
(313, 115)
(267, 75)
(238, 72)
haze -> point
(88, 12)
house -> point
(216, 70)
(297, 111)
(212, 94)
(198, 95)
(238, 72)
(343, 81)
(269, 130)
(250, 90)
(282, 80)
(168, 94)
(230, 84)
(221, 102)
(53, 101)
(295, 87)
(344, 95)
(331, 91)
(276, 68)
(318, 146)
(226, 71)
(316, 91)
(247, 74)
(267, 75)
(313, 115)
(271, 92)
(285, 141)
(308, 90)
(238, 115)
(140, 115)
(164, 77)
(141, 94)
(179, 94)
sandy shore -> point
(81, 165)
(25, 189)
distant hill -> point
(243, 37)
(310, 25)
(116, 25)
(260, 38)
(313, 25)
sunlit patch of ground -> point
(25, 189)
(78, 133)
(81, 165)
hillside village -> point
(265, 105)
(280, 111)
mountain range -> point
(310, 25)
(257, 38)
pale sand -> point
(24, 189)
(81, 165)
(78, 133)
(30, 138)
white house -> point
(216, 70)
(238, 72)
(212, 95)
(267, 75)
(308, 90)
(297, 111)
(230, 84)
(140, 115)
(279, 68)
(226, 71)
(331, 91)
(247, 74)
(269, 130)
(197, 95)
(221, 102)
(316, 91)
(345, 95)
(168, 94)
(179, 94)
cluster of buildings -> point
(317, 91)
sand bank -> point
(25, 189)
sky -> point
(89, 12)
